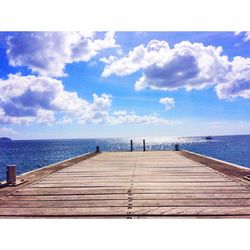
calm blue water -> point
(29, 155)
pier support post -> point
(176, 146)
(131, 145)
(11, 175)
(97, 149)
(144, 145)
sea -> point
(28, 155)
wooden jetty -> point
(131, 185)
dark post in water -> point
(131, 145)
(176, 147)
(97, 149)
(144, 146)
(11, 174)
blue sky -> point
(124, 84)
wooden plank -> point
(122, 174)
(139, 178)
(45, 212)
(124, 203)
(67, 191)
(83, 191)
(135, 180)
(105, 211)
(189, 211)
(123, 196)
(165, 171)
(135, 196)
(142, 185)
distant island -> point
(5, 139)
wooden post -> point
(144, 146)
(11, 174)
(97, 149)
(131, 145)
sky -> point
(58, 85)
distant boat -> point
(209, 138)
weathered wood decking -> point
(131, 185)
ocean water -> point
(33, 154)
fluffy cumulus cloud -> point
(139, 57)
(36, 99)
(186, 65)
(47, 53)
(238, 80)
(43, 100)
(168, 102)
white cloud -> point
(168, 102)
(246, 35)
(47, 53)
(31, 99)
(98, 110)
(238, 80)
(237, 33)
(186, 65)
(139, 57)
